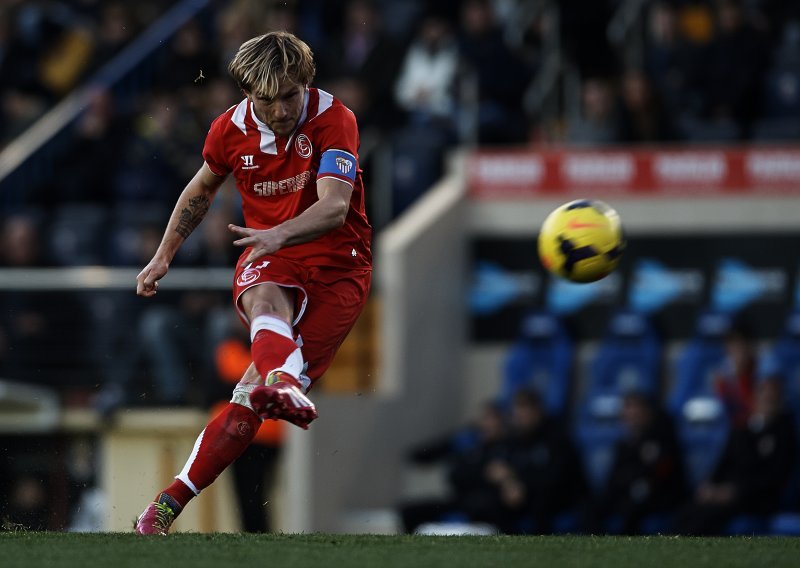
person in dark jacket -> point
(646, 477)
(752, 472)
(466, 455)
(538, 474)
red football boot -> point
(157, 518)
(283, 399)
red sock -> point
(223, 440)
(271, 351)
(180, 493)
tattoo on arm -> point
(192, 215)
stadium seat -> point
(693, 372)
(747, 525)
(700, 419)
(784, 524)
(541, 360)
(627, 360)
(628, 357)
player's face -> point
(282, 112)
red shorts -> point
(328, 303)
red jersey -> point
(277, 176)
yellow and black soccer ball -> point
(581, 241)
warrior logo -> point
(303, 146)
(248, 162)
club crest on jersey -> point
(248, 276)
(248, 162)
(303, 146)
(344, 165)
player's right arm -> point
(189, 211)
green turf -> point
(28, 549)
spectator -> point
(667, 59)
(538, 474)
(426, 85)
(366, 57)
(734, 382)
(597, 123)
(752, 472)
(733, 67)
(473, 497)
(642, 118)
(90, 162)
(500, 75)
(116, 26)
(646, 477)
(31, 322)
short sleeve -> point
(338, 144)
(213, 149)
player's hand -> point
(263, 242)
(147, 280)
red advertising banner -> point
(498, 174)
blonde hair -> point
(264, 62)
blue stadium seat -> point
(745, 525)
(628, 357)
(784, 524)
(700, 418)
(702, 431)
(627, 360)
(540, 360)
(696, 363)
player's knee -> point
(250, 377)
(270, 300)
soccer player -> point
(304, 275)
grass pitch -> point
(115, 550)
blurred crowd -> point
(522, 468)
(421, 77)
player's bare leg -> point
(270, 309)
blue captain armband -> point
(338, 164)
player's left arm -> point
(327, 214)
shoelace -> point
(164, 516)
